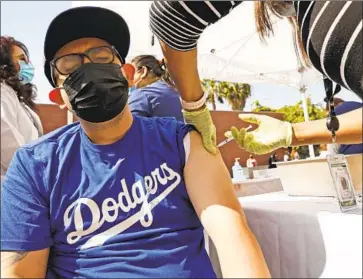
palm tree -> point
(236, 94)
(210, 86)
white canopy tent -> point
(229, 50)
(238, 55)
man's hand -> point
(202, 121)
(270, 135)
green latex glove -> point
(202, 121)
(270, 135)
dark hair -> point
(263, 11)
(156, 68)
(8, 73)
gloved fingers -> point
(255, 146)
(241, 136)
(211, 149)
(238, 135)
(209, 144)
(250, 145)
(252, 118)
(202, 121)
(234, 132)
(209, 139)
(214, 137)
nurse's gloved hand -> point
(202, 121)
(270, 134)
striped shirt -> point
(180, 23)
(331, 32)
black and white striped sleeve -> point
(331, 32)
(180, 23)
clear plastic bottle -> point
(237, 171)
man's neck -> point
(111, 131)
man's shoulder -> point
(56, 137)
(36, 155)
(164, 125)
(161, 122)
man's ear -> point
(128, 71)
(55, 96)
(145, 72)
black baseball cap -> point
(83, 22)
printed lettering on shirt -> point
(141, 191)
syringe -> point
(230, 138)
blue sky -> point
(27, 21)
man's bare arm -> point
(24, 264)
(211, 191)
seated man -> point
(116, 196)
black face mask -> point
(97, 92)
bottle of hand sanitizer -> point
(237, 171)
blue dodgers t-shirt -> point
(156, 99)
(106, 211)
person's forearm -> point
(316, 132)
(239, 253)
(183, 68)
(241, 257)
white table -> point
(304, 237)
(257, 186)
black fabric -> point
(180, 23)
(97, 92)
(83, 22)
(318, 18)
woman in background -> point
(19, 120)
(153, 92)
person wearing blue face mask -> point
(26, 72)
(153, 93)
(19, 120)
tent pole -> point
(306, 116)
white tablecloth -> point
(304, 237)
(257, 186)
